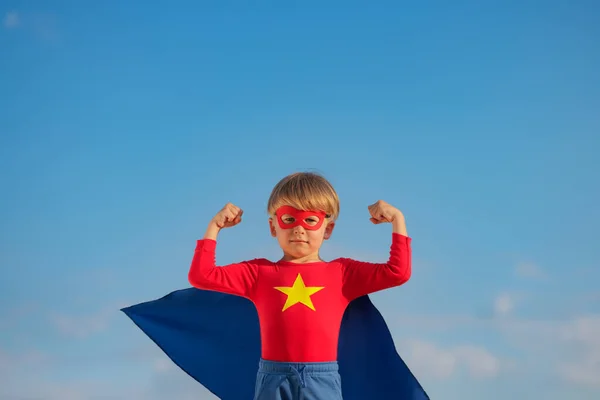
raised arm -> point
(238, 279)
(361, 278)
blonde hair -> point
(305, 191)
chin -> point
(299, 253)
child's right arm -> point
(361, 278)
(237, 279)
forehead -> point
(287, 209)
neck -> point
(301, 260)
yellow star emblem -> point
(298, 293)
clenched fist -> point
(229, 216)
(383, 212)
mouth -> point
(298, 241)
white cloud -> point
(47, 391)
(31, 375)
(583, 334)
(529, 270)
(174, 384)
(568, 349)
(429, 360)
(82, 326)
(11, 362)
(479, 362)
(12, 20)
(164, 364)
(43, 26)
(504, 304)
(585, 373)
(426, 359)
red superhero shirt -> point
(300, 306)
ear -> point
(328, 230)
(272, 228)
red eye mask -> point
(299, 218)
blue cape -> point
(209, 334)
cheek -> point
(316, 235)
(284, 234)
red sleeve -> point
(361, 278)
(237, 279)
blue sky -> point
(123, 129)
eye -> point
(312, 221)
(287, 219)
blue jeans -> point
(298, 381)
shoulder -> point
(258, 262)
(342, 261)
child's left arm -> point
(382, 212)
(361, 278)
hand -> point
(382, 212)
(229, 216)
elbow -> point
(406, 276)
(400, 268)
(402, 276)
(192, 280)
(196, 280)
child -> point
(301, 298)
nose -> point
(299, 229)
